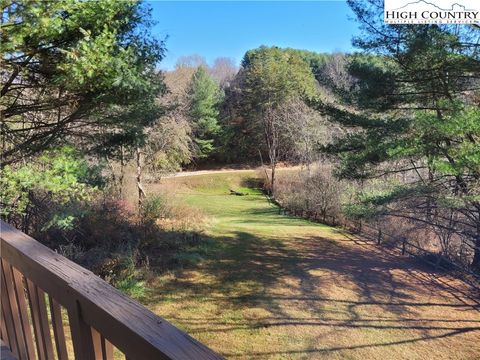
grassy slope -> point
(276, 287)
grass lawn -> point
(270, 286)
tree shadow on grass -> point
(263, 354)
(430, 278)
(386, 292)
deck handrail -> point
(98, 313)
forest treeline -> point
(388, 134)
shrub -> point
(45, 194)
(314, 194)
(155, 207)
(133, 287)
(60, 201)
(170, 213)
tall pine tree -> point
(417, 114)
(205, 97)
(76, 71)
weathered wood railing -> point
(47, 299)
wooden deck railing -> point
(47, 299)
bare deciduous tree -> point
(335, 73)
(292, 131)
(223, 70)
(304, 131)
(190, 61)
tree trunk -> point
(263, 167)
(273, 179)
(122, 171)
(141, 191)
(112, 170)
(475, 265)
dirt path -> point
(276, 287)
(207, 172)
(225, 171)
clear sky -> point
(230, 28)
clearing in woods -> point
(271, 286)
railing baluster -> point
(97, 344)
(58, 332)
(3, 329)
(32, 299)
(47, 336)
(81, 334)
(22, 305)
(10, 301)
(107, 349)
(41, 328)
(103, 348)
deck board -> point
(5, 353)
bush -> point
(46, 194)
(60, 201)
(313, 194)
(171, 214)
(154, 208)
(133, 287)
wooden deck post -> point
(81, 334)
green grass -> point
(268, 286)
(251, 212)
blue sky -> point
(229, 28)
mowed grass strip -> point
(271, 286)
